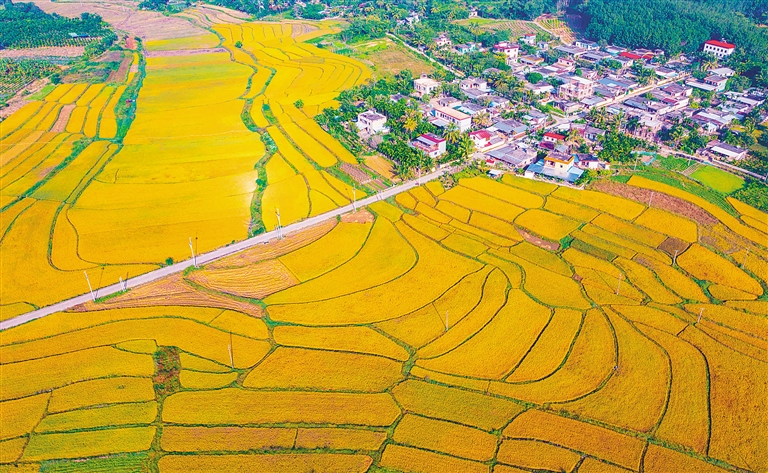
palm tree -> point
(452, 134)
(410, 119)
(482, 118)
(464, 148)
(633, 123)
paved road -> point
(213, 255)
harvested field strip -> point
(256, 282)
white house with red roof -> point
(551, 139)
(719, 49)
(486, 140)
(431, 144)
(510, 50)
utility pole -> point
(650, 201)
(674, 258)
(446, 320)
(354, 198)
(618, 287)
(700, 312)
(192, 249)
(745, 258)
(123, 284)
(279, 226)
(89, 285)
(231, 357)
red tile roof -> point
(720, 44)
(484, 134)
(554, 135)
(630, 55)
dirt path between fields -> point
(184, 52)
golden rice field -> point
(187, 167)
(498, 326)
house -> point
(498, 103)
(486, 140)
(565, 64)
(372, 122)
(665, 72)
(476, 94)
(449, 115)
(595, 57)
(551, 139)
(622, 85)
(431, 144)
(472, 109)
(473, 12)
(572, 51)
(535, 119)
(398, 97)
(424, 85)
(531, 60)
(442, 41)
(625, 62)
(719, 49)
(726, 151)
(539, 88)
(462, 49)
(588, 132)
(712, 120)
(514, 155)
(568, 107)
(590, 161)
(529, 39)
(632, 56)
(576, 88)
(718, 82)
(723, 72)
(510, 50)
(473, 83)
(558, 165)
(588, 45)
(614, 50)
(512, 128)
(446, 101)
(676, 90)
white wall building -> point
(719, 49)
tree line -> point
(25, 25)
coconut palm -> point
(483, 119)
(464, 148)
(410, 119)
(452, 134)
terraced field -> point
(448, 333)
(82, 192)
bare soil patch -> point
(541, 243)
(361, 216)
(21, 99)
(672, 246)
(256, 282)
(274, 248)
(662, 201)
(52, 51)
(184, 52)
(121, 73)
(359, 176)
(172, 290)
(61, 122)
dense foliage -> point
(24, 25)
(16, 73)
(754, 193)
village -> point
(573, 101)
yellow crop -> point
(298, 368)
(278, 169)
(655, 317)
(754, 325)
(58, 92)
(546, 286)
(366, 270)
(725, 293)
(464, 245)
(386, 210)
(704, 264)
(640, 361)
(101, 391)
(406, 200)
(473, 200)
(195, 363)
(436, 270)
(569, 209)
(541, 257)
(426, 227)
(660, 460)
(200, 380)
(90, 93)
(590, 439)
(548, 225)
(290, 197)
(757, 265)
(73, 93)
(257, 281)
(500, 191)
(416, 328)
(668, 224)
(686, 419)
(737, 402)
(626, 243)
(459, 330)
(479, 234)
(550, 349)
(537, 455)
(515, 328)
(272, 462)
(94, 112)
(674, 280)
(338, 439)
(590, 362)
(435, 187)
(20, 416)
(88, 443)
(628, 230)
(453, 210)
(308, 145)
(431, 213)
(10, 451)
(18, 118)
(119, 414)
(332, 250)
(319, 183)
(351, 339)
(28, 377)
(410, 459)
(235, 406)
(441, 436)
(201, 439)
(539, 187)
(207, 40)
(616, 206)
(601, 244)
(730, 221)
(756, 307)
(493, 225)
(50, 119)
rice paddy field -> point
(496, 326)
(114, 179)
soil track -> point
(183, 52)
